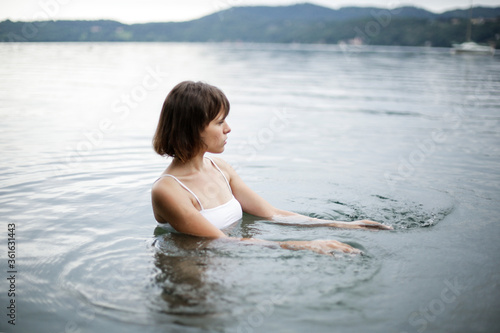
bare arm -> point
(306, 221)
(172, 204)
(254, 204)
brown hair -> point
(187, 110)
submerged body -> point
(200, 196)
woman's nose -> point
(227, 129)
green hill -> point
(302, 23)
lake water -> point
(406, 136)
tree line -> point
(246, 24)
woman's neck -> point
(194, 165)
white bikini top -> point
(221, 216)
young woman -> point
(201, 196)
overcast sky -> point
(139, 11)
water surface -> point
(404, 136)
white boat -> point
(473, 48)
(469, 46)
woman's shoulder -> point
(165, 183)
(222, 164)
(167, 193)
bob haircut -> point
(187, 110)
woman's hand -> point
(320, 246)
(361, 224)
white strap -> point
(187, 188)
(222, 173)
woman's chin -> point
(216, 151)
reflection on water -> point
(190, 286)
(405, 136)
(219, 283)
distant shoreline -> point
(271, 46)
(297, 24)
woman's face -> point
(215, 134)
